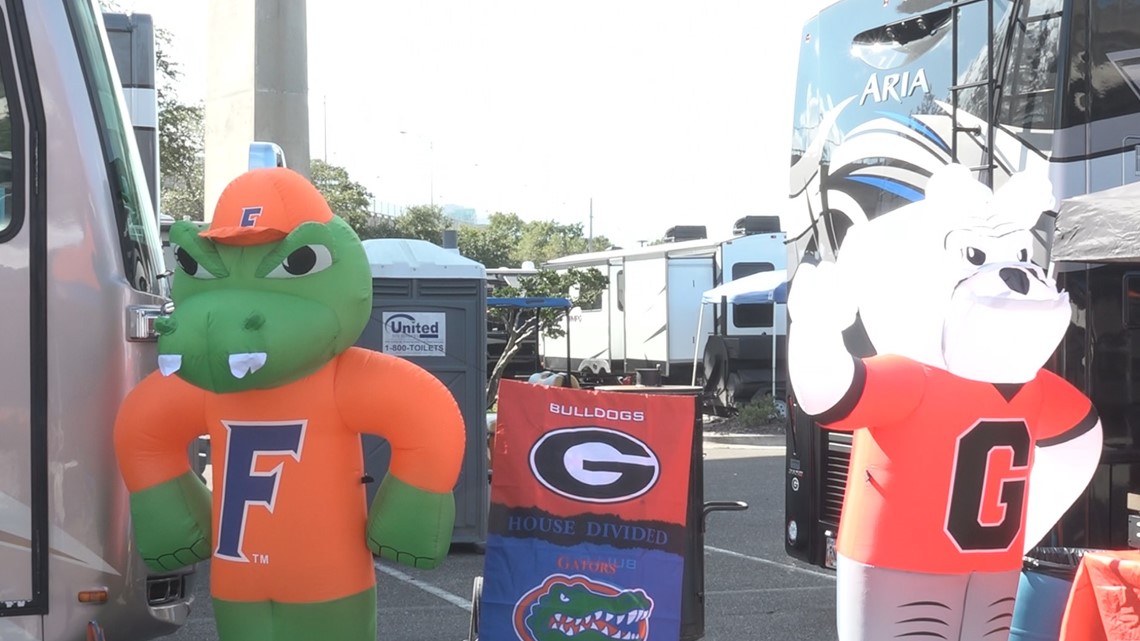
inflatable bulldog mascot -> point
(966, 452)
(258, 355)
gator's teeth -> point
(598, 614)
(609, 616)
(621, 619)
(246, 363)
(169, 363)
(557, 616)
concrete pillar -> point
(257, 87)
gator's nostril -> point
(254, 321)
(1015, 279)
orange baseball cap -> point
(264, 205)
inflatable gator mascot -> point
(258, 354)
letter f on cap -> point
(249, 216)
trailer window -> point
(752, 314)
(621, 290)
(592, 300)
(138, 229)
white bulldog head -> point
(948, 280)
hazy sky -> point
(665, 112)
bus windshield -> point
(138, 230)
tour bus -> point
(81, 270)
(888, 91)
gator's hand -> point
(409, 525)
(171, 523)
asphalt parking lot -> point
(753, 591)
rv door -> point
(23, 350)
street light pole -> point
(431, 165)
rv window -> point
(1131, 302)
(753, 315)
(621, 290)
(740, 270)
(138, 229)
(5, 165)
(591, 301)
(1029, 90)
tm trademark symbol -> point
(261, 559)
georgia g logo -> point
(594, 464)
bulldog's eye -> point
(1023, 255)
(306, 260)
(187, 264)
(975, 256)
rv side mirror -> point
(265, 154)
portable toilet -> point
(417, 283)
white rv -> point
(649, 314)
(80, 271)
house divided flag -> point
(589, 496)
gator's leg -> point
(352, 618)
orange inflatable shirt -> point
(289, 501)
(938, 482)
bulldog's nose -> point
(1015, 279)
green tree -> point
(181, 140)
(346, 197)
(379, 227)
(520, 322)
(495, 243)
(425, 222)
(545, 240)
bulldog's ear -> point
(1022, 199)
(954, 191)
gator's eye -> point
(563, 598)
(975, 256)
(192, 267)
(306, 260)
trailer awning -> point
(1101, 227)
(764, 287)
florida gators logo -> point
(581, 608)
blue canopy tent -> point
(763, 287)
(539, 303)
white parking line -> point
(455, 600)
(785, 566)
(801, 588)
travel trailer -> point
(649, 314)
(886, 93)
(82, 271)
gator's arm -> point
(170, 506)
(411, 519)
